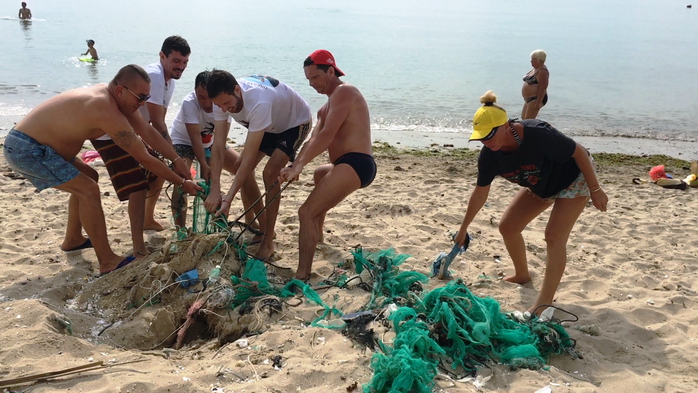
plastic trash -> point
(354, 315)
(221, 298)
(188, 278)
(392, 307)
(331, 324)
(547, 314)
(439, 268)
(545, 389)
(214, 274)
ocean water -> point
(618, 68)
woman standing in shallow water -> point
(535, 87)
(553, 170)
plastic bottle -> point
(331, 324)
(214, 274)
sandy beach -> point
(630, 278)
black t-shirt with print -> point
(543, 163)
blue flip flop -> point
(86, 244)
(121, 264)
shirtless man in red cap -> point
(344, 130)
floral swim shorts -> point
(577, 189)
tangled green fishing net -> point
(254, 283)
(451, 328)
(200, 217)
(389, 283)
(202, 222)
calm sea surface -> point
(623, 67)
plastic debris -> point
(547, 314)
(439, 268)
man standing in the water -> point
(24, 12)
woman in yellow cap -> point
(552, 169)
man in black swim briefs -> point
(344, 130)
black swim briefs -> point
(363, 164)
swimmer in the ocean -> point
(24, 12)
(91, 50)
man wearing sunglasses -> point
(140, 188)
(42, 147)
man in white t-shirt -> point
(174, 56)
(277, 121)
(192, 137)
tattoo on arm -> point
(124, 138)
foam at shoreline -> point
(421, 140)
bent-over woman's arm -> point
(477, 200)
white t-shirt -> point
(191, 113)
(267, 104)
(160, 92)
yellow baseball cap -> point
(486, 118)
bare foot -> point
(305, 279)
(517, 279)
(141, 253)
(153, 226)
(265, 250)
(264, 255)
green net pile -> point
(447, 328)
(253, 283)
(390, 285)
(451, 329)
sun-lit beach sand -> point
(630, 278)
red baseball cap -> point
(324, 57)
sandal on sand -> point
(672, 183)
(86, 244)
(14, 176)
(121, 264)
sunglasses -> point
(140, 98)
(491, 134)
